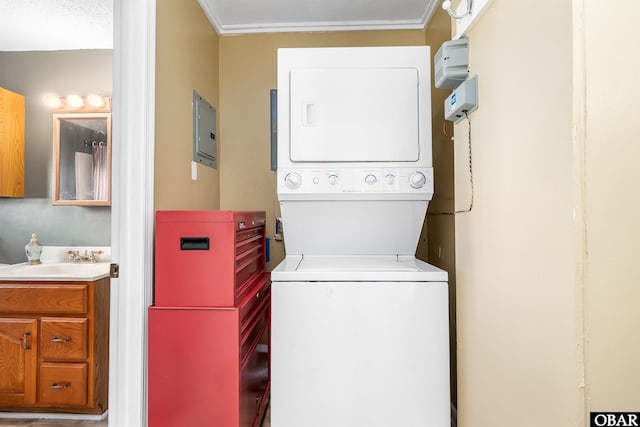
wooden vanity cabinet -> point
(18, 361)
(54, 346)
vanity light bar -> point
(75, 104)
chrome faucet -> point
(74, 256)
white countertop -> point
(56, 267)
(56, 271)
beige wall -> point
(612, 203)
(545, 263)
(247, 73)
(437, 243)
(186, 60)
(517, 251)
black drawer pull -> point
(61, 340)
(194, 243)
(60, 386)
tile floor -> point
(16, 422)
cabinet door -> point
(11, 144)
(18, 359)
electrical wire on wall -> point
(470, 171)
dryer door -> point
(354, 115)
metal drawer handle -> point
(25, 344)
(62, 340)
(60, 386)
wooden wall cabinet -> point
(54, 346)
(11, 144)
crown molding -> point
(287, 27)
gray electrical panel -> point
(451, 63)
(205, 146)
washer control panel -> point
(332, 181)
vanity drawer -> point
(63, 338)
(44, 298)
(63, 384)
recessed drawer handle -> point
(60, 386)
(62, 340)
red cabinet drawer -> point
(200, 374)
(254, 382)
(253, 329)
(205, 258)
(254, 293)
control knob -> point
(417, 180)
(292, 180)
(333, 179)
(390, 178)
(370, 179)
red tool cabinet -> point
(208, 339)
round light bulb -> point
(446, 5)
(95, 100)
(74, 101)
(52, 101)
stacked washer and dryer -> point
(360, 333)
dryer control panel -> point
(352, 181)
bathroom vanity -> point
(54, 338)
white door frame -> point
(132, 208)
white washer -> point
(359, 341)
(359, 325)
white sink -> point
(56, 271)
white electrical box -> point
(451, 63)
(462, 101)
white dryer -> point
(359, 325)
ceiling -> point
(55, 24)
(269, 16)
(88, 24)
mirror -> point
(82, 158)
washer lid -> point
(357, 268)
